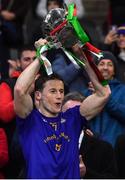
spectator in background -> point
(12, 15)
(110, 122)
(98, 157)
(7, 113)
(115, 42)
(27, 56)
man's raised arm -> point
(94, 103)
(22, 100)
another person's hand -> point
(89, 132)
(7, 15)
(111, 37)
(82, 167)
(13, 66)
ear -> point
(38, 95)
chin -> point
(59, 110)
(106, 77)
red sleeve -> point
(3, 148)
(6, 103)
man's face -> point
(50, 102)
(52, 5)
(106, 67)
(121, 41)
(70, 104)
(27, 58)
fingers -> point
(89, 132)
(12, 63)
(40, 42)
(111, 37)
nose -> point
(105, 66)
(59, 95)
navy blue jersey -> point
(50, 145)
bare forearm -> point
(92, 75)
(94, 79)
(27, 77)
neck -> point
(47, 113)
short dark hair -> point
(26, 47)
(59, 2)
(75, 96)
(110, 56)
(40, 82)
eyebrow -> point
(56, 89)
(107, 62)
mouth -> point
(58, 105)
(122, 43)
(105, 74)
